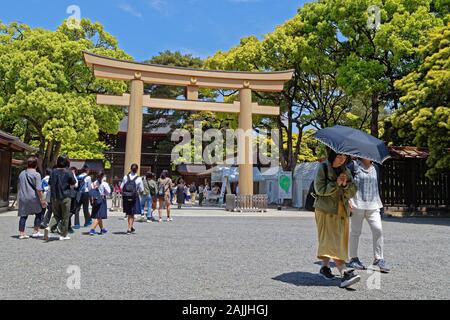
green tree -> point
(425, 114)
(379, 57)
(47, 94)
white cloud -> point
(157, 4)
(130, 9)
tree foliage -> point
(425, 115)
(47, 93)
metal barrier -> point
(255, 203)
(116, 202)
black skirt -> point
(131, 206)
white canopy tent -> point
(219, 173)
(271, 183)
(304, 175)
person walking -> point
(47, 211)
(193, 191)
(73, 197)
(31, 199)
(180, 193)
(131, 187)
(82, 199)
(163, 193)
(366, 205)
(100, 189)
(62, 182)
(187, 194)
(200, 195)
(147, 196)
(334, 187)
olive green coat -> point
(328, 193)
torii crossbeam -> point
(192, 79)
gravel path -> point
(219, 257)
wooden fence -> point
(403, 184)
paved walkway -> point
(211, 254)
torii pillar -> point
(246, 143)
(135, 119)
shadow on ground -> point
(306, 279)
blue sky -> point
(146, 27)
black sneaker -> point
(133, 231)
(128, 232)
(349, 279)
(326, 273)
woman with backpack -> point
(100, 190)
(131, 187)
(164, 187)
(366, 204)
(334, 187)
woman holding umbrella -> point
(334, 187)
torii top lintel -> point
(114, 69)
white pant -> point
(373, 217)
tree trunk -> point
(375, 114)
(297, 148)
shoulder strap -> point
(30, 182)
(325, 168)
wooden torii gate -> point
(192, 79)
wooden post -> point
(192, 93)
(134, 133)
(245, 124)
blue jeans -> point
(147, 200)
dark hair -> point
(48, 172)
(63, 162)
(134, 167)
(149, 175)
(32, 162)
(163, 175)
(73, 168)
(85, 168)
(332, 155)
(100, 174)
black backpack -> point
(312, 195)
(130, 188)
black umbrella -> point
(353, 142)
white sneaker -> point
(24, 237)
(37, 235)
(64, 238)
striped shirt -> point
(367, 197)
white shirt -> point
(139, 182)
(104, 188)
(87, 182)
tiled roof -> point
(14, 143)
(409, 152)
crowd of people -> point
(346, 193)
(60, 196)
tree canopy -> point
(47, 93)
